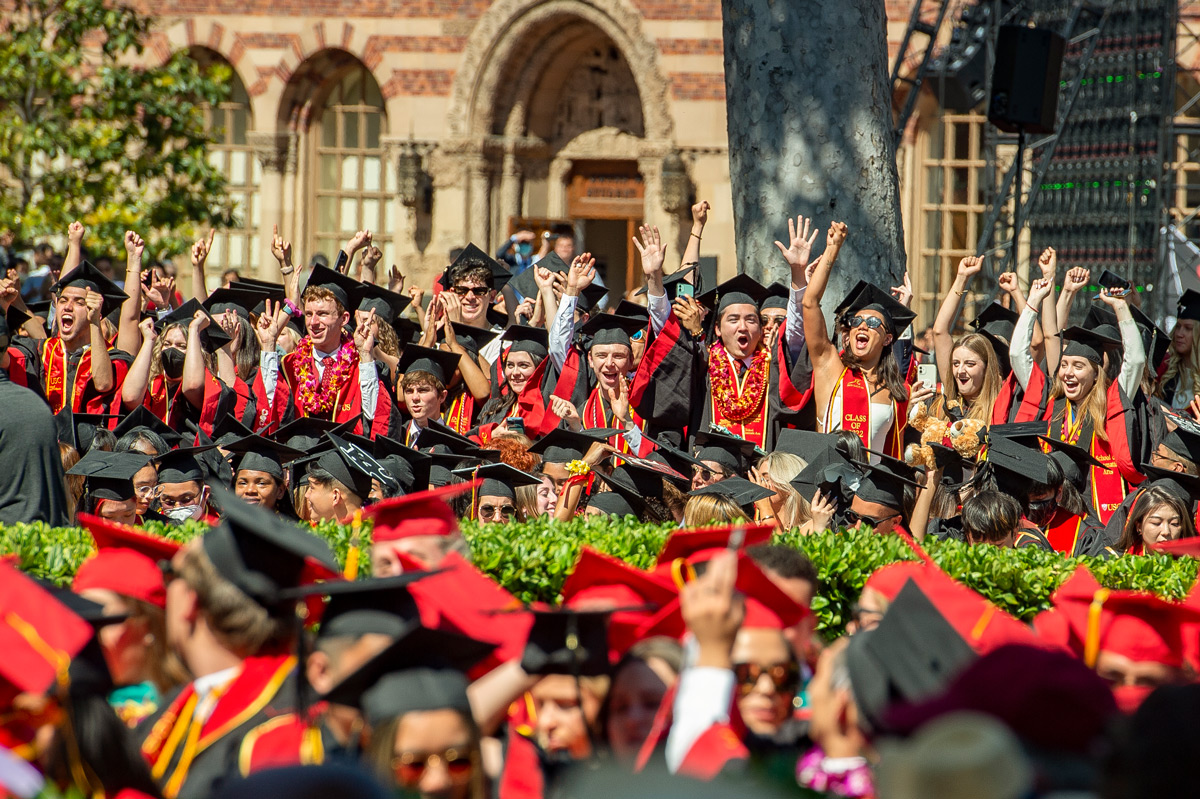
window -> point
(951, 206)
(355, 190)
(237, 247)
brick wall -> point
(698, 85)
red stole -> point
(596, 417)
(269, 412)
(462, 409)
(159, 398)
(1107, 488)
(177, 738)
(348, 404)
(285, 740)
(16, 367)
(856, 413)
(1063, 531)
(1033, 402)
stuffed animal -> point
(966, 436)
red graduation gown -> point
(85, 398)
(348, 404)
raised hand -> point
(359, 240)
(700, 213)
(95, 305)
(1008, 282)
(836, 236)
(281, 249)
(1114, 298)
(416, 293)
(395, 280)
(713, 611)
(970, 266)
(161, 292)
(201, 250)
(525, 309)
(919, 392)
(364, 338)
(690, 313)
(821, 512)
(653, 252)
(618, 399)
(1038, 291)
(564, 409)
(268, 326)
(200, 322)
(1077, 278)
(149, 334)
(452, 306)
(801, 237)
(372, 255)
(75, 233)
(903, 293)
(1048, 263)
(8, 294)
(134, 245)
(581, 274)
(544, 277)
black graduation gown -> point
(32, 487)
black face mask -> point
(172, 362)
(1041, 511)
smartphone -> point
(685, 290)
(515, 424)
(927, 374)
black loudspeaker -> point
(1025, 79)
(960, 84)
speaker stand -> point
(1018, 221)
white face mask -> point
(182, 513)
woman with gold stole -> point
(1088, 407)
(859, 388)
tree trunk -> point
(810, 132)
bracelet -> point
(291, 308)
(697, 235)
(285, 271)
(960, 293)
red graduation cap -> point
(126, 561)
(1180, 546)
(602, 582)
(701, 543)
(981, 624)
(38, 635)
(423, 513)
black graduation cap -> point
(496, 318)
(631, 309)
(1017, 461)
(523, 338)
(561, 445)
(472, 339)
(913, 654)
(1184, 441)
(777, 297)
(407, 331)
(183, 465)
(436, 433)
(499, 479)
(109, 475)
(382, 606)
(407, 466)
(13, 320)
(424, 669)
(352, 466)
(607, 328)
(264, 555)
(884, 482)
(1074, 461)
(387, 305)
(566, 641)
(674, 457)
(831, 472)
(804, 444)
(673, 281)
(79, 429)
(525, 283)
(439, 363)
(1185, 486)
(1089, 344)
(347, 290)
(1111, 280)
(720, 446)
(141, 417)
(1188, 307)
(228, 429)
(472, 256)
(255, 453)
(952, 465)
(867, 296)
(739, 489)
(212, 338)
(625, 496)
(739, 290)
(305, 433)
(996, 321)
(241, 299)
(87, 276)
(1103, 320)
(591, 297)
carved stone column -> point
(510, 188)
(556, 187)
(276, 153)
(479, 214)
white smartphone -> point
(927, 374)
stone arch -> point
(195, 35)
(507, 31)
(310, 83)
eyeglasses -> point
(144, 491)
(490, 511)
(177, 502)
(872, 322)
(478, 291)
(853, 517)
(784, 676)
(704, 473)
(410, 767)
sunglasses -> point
(490, 511)
(853, 517)
(410, 767)
(705, 473)
(872, 322)
(784, 676)
(638, 336)
(478, 291)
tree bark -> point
(810, 132)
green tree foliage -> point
(88, 132)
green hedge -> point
(533, 560)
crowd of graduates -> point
(248, 662)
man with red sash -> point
(332, 375)
(749, 385)
(238, 651)
(77, 368)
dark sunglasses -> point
(853, 517)
(410, 767)
(784, 676)
(489, 511)
(872, 322)
(704, 473)
(478, 291)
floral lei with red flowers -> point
(731, 404)
(318, 391)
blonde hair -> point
(980, 408)
(1094, 405)
(1178, 367)
(156, 368)
(780, 468)
(709, 509)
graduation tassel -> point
(350, 572)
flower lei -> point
(731, 404)
(318, 392)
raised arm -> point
(1010, 286)
(1018, 351)
(1048, 263)
(691, 253)
(102, 371)
(1077, 277)
(200, 252)
(129, 337)
(546, 307)
(1133, 361)
(282, 250)
(947, 315)
(74, 256)
(821, 350)
(654, 253)
(798, 254)
(580, 276)
(193, 362)
(137, 379)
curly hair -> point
(514, 450)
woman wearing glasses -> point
(859, 386)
